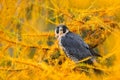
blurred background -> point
(29, 50)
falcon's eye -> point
(57, 30)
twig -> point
(7, 69)
(22, 44)
(28, 63)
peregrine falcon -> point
(73, 45)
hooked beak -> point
(59, 34)
(56, 35)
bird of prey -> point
(73, 45)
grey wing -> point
(79, 39)
(74, 49)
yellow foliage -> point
(29, 50)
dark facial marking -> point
(64, 28)
(57, 30)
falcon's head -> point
(61, 30)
